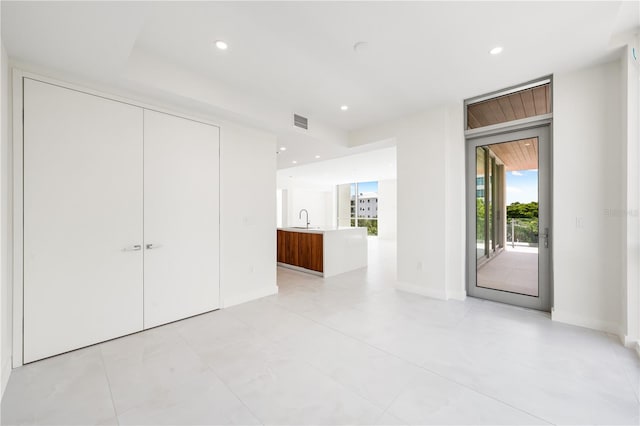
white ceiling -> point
(287, 57)
(379, 164)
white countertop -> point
(313, 230)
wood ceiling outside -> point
(517, 155)
(515, 106)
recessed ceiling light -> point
(496, 50)
(283, 148)
(317, 156)
(344, 107)
(222, 45)
(294, 162)
(527, 144)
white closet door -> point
(82, 217)
(181, 218)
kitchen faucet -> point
(300, 216)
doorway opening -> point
(508, 201)
(507, 228)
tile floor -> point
(345, 350)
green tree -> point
(526, 221)
(518, 210)
(480, 219)
(370, 224)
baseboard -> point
(301, 269)
(249, 296)
(457, 295)
(595, 324)
(422, 291)
(4, 374)
(628, 341)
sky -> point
(522, 186)
(366, 187)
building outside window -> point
(361, 194)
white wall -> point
(387, 209)
(248, 214)
(6, 293)
(429, 259)
(279, 205)
(455, 204)
(344, 205)
(317, 202)
(633, 114)
(588, 187)
(589, 152)
(320, 200)
(630, 89)
(430, 199)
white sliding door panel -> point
(181, 218)
(82, 217)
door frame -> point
(541, 127)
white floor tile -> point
(243, 362)
(172, 376)
(296, 394)
(430, 399)
(215, 405)
(268, 319)
(70, 389)
(348, 349)
(213, 331)
(556, 398)
(629, 360)
(371, 373)
(390, 420)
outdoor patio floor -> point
(515, 269)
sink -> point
(304, 227)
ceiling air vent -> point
(300, 121)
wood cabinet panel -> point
(301, 249)
(304, 250)
(310, 249)
(317, 260)
(291, 250)
(281, 247)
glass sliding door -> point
(490, 204)
(481, 245)
(486, 207)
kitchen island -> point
(323, 252)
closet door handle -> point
(152, 246)
(136, 247)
